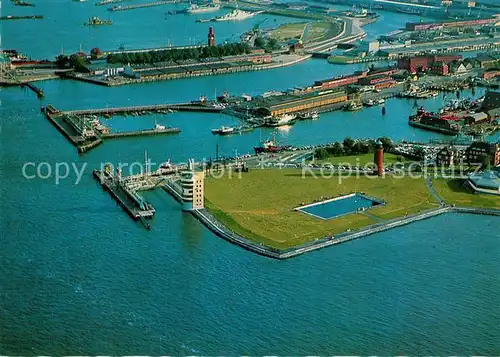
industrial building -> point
(423, 26)
(422, 63)
(291, 104)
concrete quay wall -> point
(220, 230)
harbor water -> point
(78, 276)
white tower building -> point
(193, 186)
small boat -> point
(380, 101)
(159, 127)
(369, 103)
(223, 130)
(353, 106)
(308, 115)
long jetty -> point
(27, 17)
(141, 133)
(187, 107)
(38, 91)
(139, 6)
(128, 200)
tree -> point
(321, 154)
(78, 63)
(272, 44)
(348, 145)
(387, 143)
(259, 42)
(95, 53)
(62, 61)
(485, 160)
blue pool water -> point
(339, 207)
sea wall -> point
(205, 217)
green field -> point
(318, 31)
(307, 31)
(286, 32)
(361, 160)
(259, 206)
(453, 193)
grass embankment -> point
(361, 160)
(308, 32)
(259, 206)
(453, 192)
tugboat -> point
(269, 146)
(95, 21)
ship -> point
(236, 14)
(308, 115)
(353, 106)
(269, 146)
(95, 21)
(409, 11)
(200, 9)
(441, 123)
(229, 130)
(285, 119)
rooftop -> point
(489, 179)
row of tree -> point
(269, 45)
(175, 54)
(352, 147)
(75, 61)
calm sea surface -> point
(77, 276)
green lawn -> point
(288, 31)
(260, 205)
(321, 31)
(453, 192)
(360, 160)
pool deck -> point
(375, 202)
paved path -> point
(433, 191)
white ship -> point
(236, 14)
(200, 9)
(285, 119)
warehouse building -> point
(280, 106)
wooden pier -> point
(185, 107)
(139, 6)
(129, 201)
(38, 91)
(74, 129)
(141, 133)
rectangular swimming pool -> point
(339, 206)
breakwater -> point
(27, 17)
(141, 133)
(139, 6)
